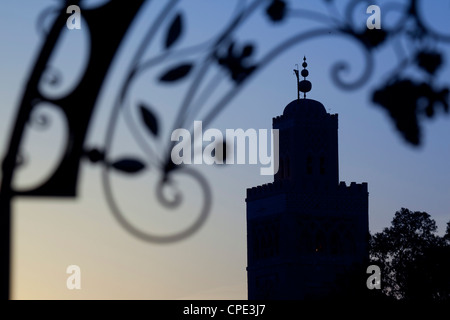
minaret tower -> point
(305, 229)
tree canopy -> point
(414, 260)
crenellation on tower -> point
(354, 187)
(267, 189)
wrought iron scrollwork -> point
(77, 107)
(231, 60)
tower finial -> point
(304, 85)
(298, 81)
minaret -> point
(308, 142)
(305, 229)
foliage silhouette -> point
(276, 10)
(149, 119)
(176, 73)
(128, 165)
(407, 100)
(174, 31)
(413, 259)
(236, 62)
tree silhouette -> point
(414, 260)
(447, 234)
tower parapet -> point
(353, 188)
(268, 189)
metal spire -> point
(304, 85)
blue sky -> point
(49, 235)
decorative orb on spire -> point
(304, 108)
(304, 85)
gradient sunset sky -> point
(51, 234)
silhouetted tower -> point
(305, 229)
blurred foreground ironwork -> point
(223, 53)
